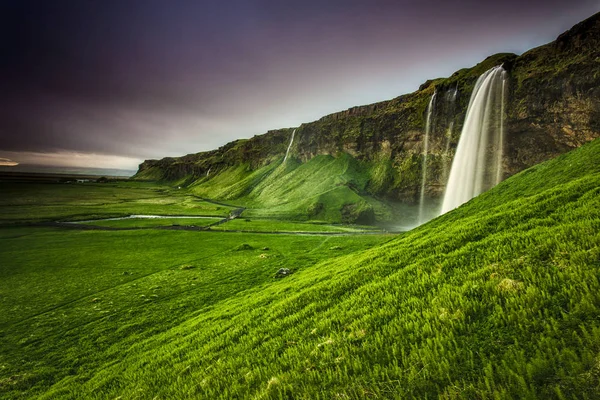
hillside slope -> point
(499, 298)
(553, 106)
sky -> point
(109, 83)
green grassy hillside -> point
(497, 299)
(73, 302)
(325, 188)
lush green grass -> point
(266, 225)
(498, 299)
(72, 301)
(325, 188)
(152, 222)
(26, 202)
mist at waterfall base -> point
(477, 163)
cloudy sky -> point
(108, 83)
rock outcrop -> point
(553, 106)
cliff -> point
(553, 106)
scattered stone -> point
(283, 272)
(335, 248)
(265, 248)
(263, 255)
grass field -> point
(267, 225)
(499, 299)
(324, 188)
(152, 222)
(26, 202)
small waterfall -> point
(289, 146)
(451, 100)
(474, 169)
(500, 150)
(425, 153)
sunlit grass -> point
(498, 299)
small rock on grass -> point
(283, 272)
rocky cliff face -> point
(553, 105)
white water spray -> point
(425, 153)
(474, 169)
(289, 146)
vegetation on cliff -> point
(553, 106)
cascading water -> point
(477, 165)
(425, 153)
(289, 146)
(451, 100)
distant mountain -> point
(553, 106)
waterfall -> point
(289, 146)
(474, 169)
(500, 150)
(451, 100)
(425, 153)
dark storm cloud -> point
(147, 78)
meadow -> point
(151, 222)
(71, 299)
(270, 225)
(499, 299)
(38, 202)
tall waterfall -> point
(425, 153)
(289, 146)
(477, 165)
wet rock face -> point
(553, 106)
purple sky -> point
(108, 83)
